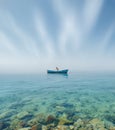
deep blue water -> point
(87, 95)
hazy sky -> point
(38, 35)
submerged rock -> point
(37, 127)
(60, 108)
(79, 123)
(96, 124)
(44, 127)
(6, 114)
(64, 121)
(24, 115)
(3, 125)
(51, 126)
(38, 119)
(17, 124)
(110, 118)
(50, 119)
(112, 128)
(62, 127)
(27, 128)
(71, 127)
(67, 105)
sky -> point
(36, 35)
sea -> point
(50, 101)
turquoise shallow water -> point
(86, 95)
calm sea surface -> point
(86, 95)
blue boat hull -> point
(57, 71)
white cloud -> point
(27, 42)
(43, 34)
(24, 41)
(108, 35)
(6, 46)
(70, 28)
(91, 13)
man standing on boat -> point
(57, 68)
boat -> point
(58, 71)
